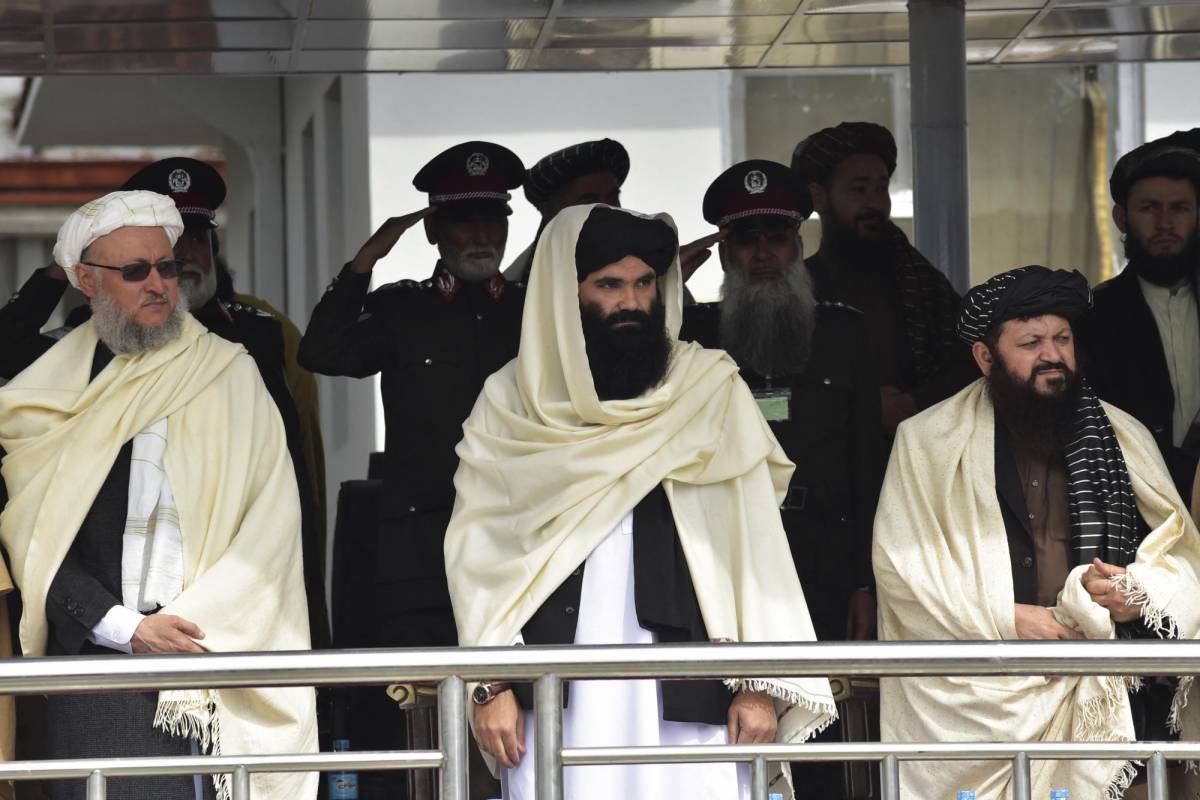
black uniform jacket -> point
(262, 336)
(435, 342)
(834, 437)
(666, 605)
(1125, 363)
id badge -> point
(775, 404)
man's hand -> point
(694, 254)
(897, 406)
(500, 729)
(1098, 583)
(752, 718)
(384, 239)
(165, 633)
(1037, 622)
(860, 622)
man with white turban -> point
(1023, 507)
(150, 506)
(616, 486)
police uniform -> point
(435, 342)
(826, 418)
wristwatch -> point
(486, 692)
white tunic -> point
(1178, 324)
(624, 713)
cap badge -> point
(756, 181)
(477, 165)
(179, 180)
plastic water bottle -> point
(343, 785)
(774, 795)
(966, 794)
(1060, 794)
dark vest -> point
(666, 605)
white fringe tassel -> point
(195, 717)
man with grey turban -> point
(150, 506)
(865, 261)
(1082, 537)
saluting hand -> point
(384, 239)
(752, 718)
(166, 633)
(694, 254)
(1099, 584)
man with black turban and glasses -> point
(1025, 508)
(618, 486)
(1143, 338)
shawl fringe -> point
(827, 712)
(1156, 618)
(1121, 781)
(196, 717)
(1096, 714)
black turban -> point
(815, 158)
(558, 169)
(610, 234)
(1174, 156)
(1022, 293)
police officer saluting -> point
(435, 342)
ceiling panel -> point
(464, 34)
(901, 6)
(427, 9)
(894, 27)
(676, 8)
(1091, 21)
(177, 62)
(878, 54)
(144, 10)
(667, 31)
(639, 58)
(1152, 47)
(326, 61)
(150, 36)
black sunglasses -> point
(140, 270)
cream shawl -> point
(943, 572)
(547, 470)
(238, 508)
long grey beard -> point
(767, 325)
(122, 335)
(472, 265)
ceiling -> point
(43, 37)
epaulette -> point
(401, 284)
(242, 308)
(838, 304)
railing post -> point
(1156, 777)
(452, 736)
(241, 784)
(547, 711)
(96, 786)
(1020, 777)
(890, 783)
(758, 778)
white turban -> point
(100, 217)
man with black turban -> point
(618, 486)
(866, 262)
(1143, 337)
(588, 172)
(1025, 508)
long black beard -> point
(1042, 423)
(626, 362)
(851, 247)
(1162, 270)
(767, 325)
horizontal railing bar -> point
(357, 667)
(877, 751)
(366, 760)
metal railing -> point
(547, 667)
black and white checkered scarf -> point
(1105, 522)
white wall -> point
(1171, 101)
(674, 125)
(325, 175)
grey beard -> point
(198, 294)
(124, 336)
(767, 326)
(473, 270)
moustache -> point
(1057, 366)
(154, 297)
(641, 318)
